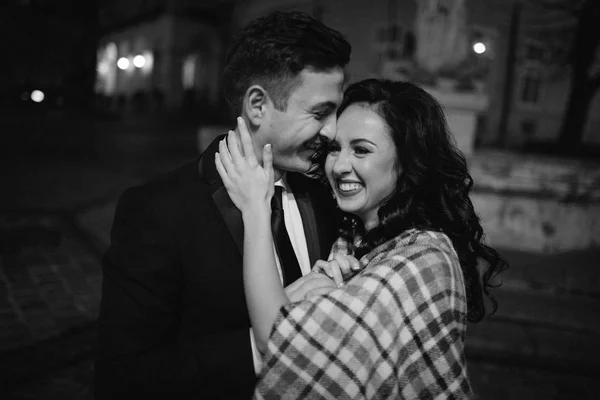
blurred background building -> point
(169, 53)
(162, 54)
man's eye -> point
(319, 115)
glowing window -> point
(188, 73)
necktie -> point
(287, 258)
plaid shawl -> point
(395, 330)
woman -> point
(396, 327)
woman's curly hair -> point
(432, 191)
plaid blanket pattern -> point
(395, 330)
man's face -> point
(309, 119)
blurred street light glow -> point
(103, 68)
(123, 63)
(139, 61)
(37, 96)
(148, 62)
(479, 48)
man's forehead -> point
(320, 88)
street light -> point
(479, 48)
(37, 96)
(123, 63)
(139, 61)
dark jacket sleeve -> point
(141, 347)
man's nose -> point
(329, 128)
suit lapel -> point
(231, 215)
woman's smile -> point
(348, 188)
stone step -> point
(570, 273)
(577, 313)
(533, 345)
(493, 380)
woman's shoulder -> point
(415, 252)
(413, 242)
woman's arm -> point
(262, 285)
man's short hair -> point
(272, 50)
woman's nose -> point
(342, 164)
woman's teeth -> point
(349, 188)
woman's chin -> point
(345, 207)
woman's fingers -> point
(234, 150)
(268, 162)
(225, 158)
(343, 262)
(354, 263)
(246, 140)
(336, 273)
(221, 169)
(331, 269)
(319, 266)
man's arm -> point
(140, 346)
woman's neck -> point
(370, 224)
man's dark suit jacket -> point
(173, 316)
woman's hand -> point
(249, 185)
(309, 285)
(340, 268)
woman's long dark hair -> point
(432, 191)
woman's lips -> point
(348, 189)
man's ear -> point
(256, 101)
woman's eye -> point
(361, 151)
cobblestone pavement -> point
(50, 280)
(54, 228)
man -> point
(173, 316)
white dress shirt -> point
(295, 229)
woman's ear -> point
(255, 104)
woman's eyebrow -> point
(358, 141)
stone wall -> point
(535, 203)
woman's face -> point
(362, 165)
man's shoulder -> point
(168, 186)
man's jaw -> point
(277, 174)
